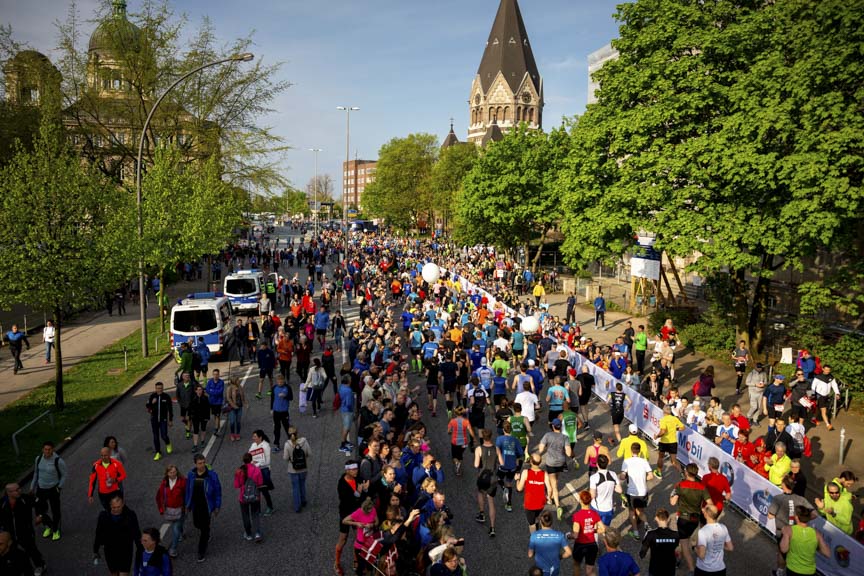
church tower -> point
(508, 88)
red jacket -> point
(101, 475)
(167, 497)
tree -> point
(64, 233)
(19, 124)
(324, 189)
(448, 174)
(400, 191)
(216, 112)
(509, 196)
(730, 131)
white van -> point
(244, 289)
(204, 314)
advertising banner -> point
(751, 493)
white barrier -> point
(751, 493)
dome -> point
(116, 30)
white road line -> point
(166, 526)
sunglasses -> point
(833, 493)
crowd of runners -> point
(515, 408)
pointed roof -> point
(493, 134)
(451, 139)
(508, 50)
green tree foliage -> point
(401, 190)
(64, 233)
(730, 129)
(448, 173)
(509, 197)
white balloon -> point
(530, 325)
(431, 272)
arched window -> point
(499, 113)
(491, 114)
(518, 114)
(506, 114)
(530, 115)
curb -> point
(77, 434)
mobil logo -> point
(761, 500)
(692, 448)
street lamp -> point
(315, 202)
(244, 57)
(347, 110)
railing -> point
(47, 413)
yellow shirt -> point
(539, 290)
(626, 443)
(671, 424)
(778, 469)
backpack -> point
(250, 491)
(56, 467)
(298, 457)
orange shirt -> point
(456, 335)
(482, 314)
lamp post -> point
(347, 110)
(244, 57)
(315, 201)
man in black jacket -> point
(240, 334)
(161, 411)
(16, 517)
(13, 560)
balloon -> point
(530, 325)
(431, 272)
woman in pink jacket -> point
(248, 482)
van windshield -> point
(195, 320)
(241, 286)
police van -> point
(244, 289)
(203, 314)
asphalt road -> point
(303, 543)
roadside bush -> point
(712, 338)
(846, 358)
(681, 317)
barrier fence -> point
(751, 493)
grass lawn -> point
(87, 388)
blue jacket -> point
(419, 474)
(215, 390)
(281, 404)
(322, 320)
(600, 304)
(203, 353)
(346, 398)
(212, 490)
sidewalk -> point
(821, 467)
(81, 338)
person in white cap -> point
(633, 438)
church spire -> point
(508, 50)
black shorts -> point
(343, 528)
(216, 410)
(638, 502)
(432, 391)
(799, 412)
(773, 412)
(449, 387)
(506, 475)
(823, 401)
(321, 332)
(496, 398)
(531, 516)
(670, 448)
(587, 552)
(687, 526)
(415, 351)
(486, 483)
(184, 412)
(584, 399)
(199, 425)
(457, 452)
(617, 417)
(740, 367)
(265, 373)
(555, 469)
(553, 414)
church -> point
(507, 89)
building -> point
(596, 60)
(356, 175)
(508, 88)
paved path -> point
(81, 338)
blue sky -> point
(408, 64)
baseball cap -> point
(556, 423)
(483, 361)
(780, 377)
(633, 429)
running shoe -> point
(169, 448)
(157, 456)
(480, 517)
(276, 449)
(258, 396)
(46, 533)
(188, 434)
(492, 532)
(508, 507)
(248, 537)
(560, 512)
(201, 558)
(633, 534)
(658, 473)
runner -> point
(636, 471)
(486, 463)
(556, 396)
(520, 426)
(712, 541)
(615, 562)
(662, 542)
(595, 451)
(799, 543)
(461, 433)
(718, 485)
(603, 486)
(570, 428)
(510, 453)
(586, 526)
(535, 483)
(547, 547)
(690, 496)
(619, 403)
(555, 446)
(668, 436)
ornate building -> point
(508, 88)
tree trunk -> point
(759, 310)
(741, 297)
(161, 303)
(536, 261)
(59, 402)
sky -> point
(407, 64)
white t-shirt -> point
(501, 344)
(714, 538)
(637, 470)
(604, 482)
(528, 400)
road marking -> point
(166, 526)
